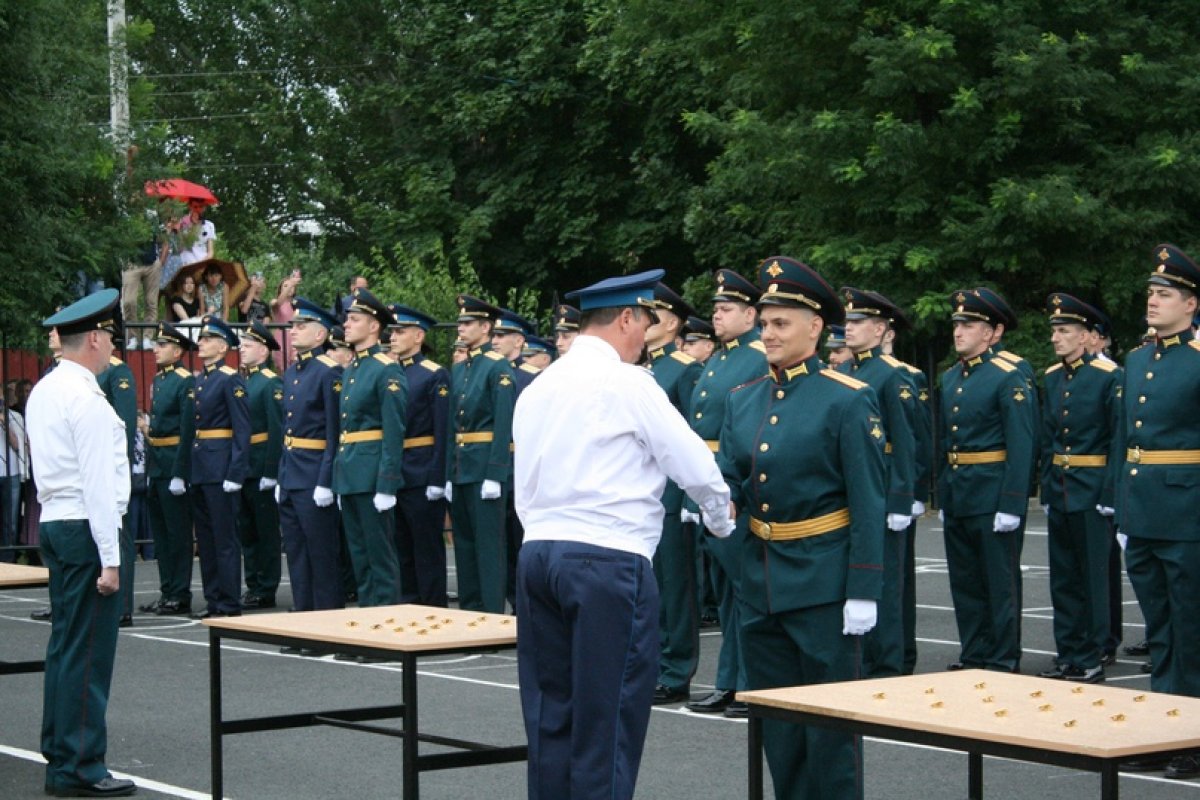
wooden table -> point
(18, 576)
(399, 633)
(1082, 726)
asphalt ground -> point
(158, 712)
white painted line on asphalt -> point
(143, 783)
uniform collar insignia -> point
(252, 370)
(974, 362)
(1077, 363)
(657, 353)
(1170, 341)
(210, 367)
(408, 362)
(864, 355)
(305, 356)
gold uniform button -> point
(764, 447)
(779, 394)
(1066, 430)
(954, 428)
(1067, 448)
(1133, 471)
(1066, 412)
(1142, 399)
(1137, 424)
(954, 466)
(704, 393)
(762, 477)
(699, 414)
(958, 390)
(1066, 394)
(1149, 376)
(722, 358)
(774, 419)
(352, 380)
(295, 382)
(710, 373)
(954, 410)
(765, 506)
(289, 413)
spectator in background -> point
(136, 516)
(283, 309)
(214, 294)
(143, 272)
(357, 282)
(13, 471)
(252, 307)
(185, 304)
(204, 245)
(24, 387)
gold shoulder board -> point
(431, 365)
(228, 370)
(845, 380)
(759, 346)
(327, 361)
(682, 358)
(269, 373)
(384, 359)
(114, 361)
(1053, 367)
(494, 356)
(1007, 366)
(530, 368)
(892, 361)
(1108, 366)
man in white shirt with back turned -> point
(82, 473)
(595, 441)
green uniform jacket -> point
(796, 447)
(264, 391)
(1161, 395)
(677, 374)
(985, 408)
(736, 362)
(483, 393)
(374, 393)
(172, 413)
(923, 432)
(1034, 408)
(1080, 417)
(118, 386)
(897, 398)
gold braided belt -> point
(982, 457)
(418, 441)
(1068, 460)
(478, 437)
(354, 437)
(296, 443)
(1136, 455)
(786, 531)
(214, 433)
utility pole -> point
(118, 77)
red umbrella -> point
(179, 189)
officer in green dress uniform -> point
(802, 450)
(921, 489)
(479, 459)
(168, 468)
(1078, 468)
(367, 470)
(121, 391)
(675, 559)
(741, 358)
(1159, 481)
(258, 520)
(342, 354)
(566, 327)
(987, 436)
(869, 316)
(79, 463)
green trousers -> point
(1079, 550)
(1166, 579)
(79, 657)
(171, 527)
(883, 651)
(480, 548)
(679, 610)
(370, 537)
(258, 527)
(985, 582)
(725, 570)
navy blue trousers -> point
(587, 658)
(421, 548)
(310, 539)
(220, 549)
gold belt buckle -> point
(766, 531)
(1135, 455)
(287, 441)
(953, 457)
(1066, 461)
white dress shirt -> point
(595, 440)
(79, 462)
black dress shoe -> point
(664, 695)
(106, 787)
(291, 651)
(1142, 648)
(41, 615)
(151, 608)
(126, 621)
(1109, 658)
(1146, 764)
(737, 710)
(955, 666)
(208, 614)
(715, 703)
(1056, 672)
(258, 602)
(1070, 672)
(1148, 667)
(345, 657)
(169, 608)
(1183, 767)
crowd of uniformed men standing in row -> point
(350, 459)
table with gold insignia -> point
(399, 633)
(1080, 726)
(18, 576)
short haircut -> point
(72, 341)
(599, 317)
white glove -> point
(1105, 511)
(384, 502)
(229, 487)
(1003, 523)
(720, 524)
(858, 617)
(918, 509)
(449, 492)
(1046, 508)
(1122, 540)
(323, 497)
(686, 516)
(490, 490)
(267, 483)
(898, 522)
(433, 493)
(941, 515)
(277, 493)
(177, 487)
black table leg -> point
(214, 714)
(411, 742)
(1109, 774)
(975, 775)
(755, 791)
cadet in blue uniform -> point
(675, 558)
(987, 433)
(79, 463)
(258, 520)
(699, 341)
(121, 392)
(741, 358)
(868, 319)
(922, 489)
(1078, 467)
(1159, 477)
(835, 344)
(168, 468)
(421, 504)
(539, 352)
(596, 441)
(566, 327)
(803, 453)
(312, 388)
(220, 461)
(367, 470)
(479, 460)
